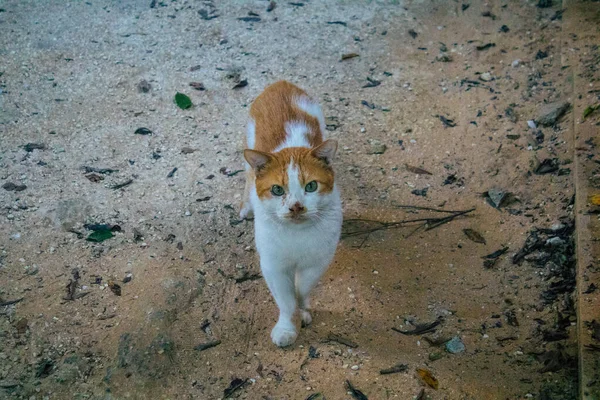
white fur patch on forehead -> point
(295, 189)
(312, 108)
(296, 135)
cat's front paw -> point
(283, 335)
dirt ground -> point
(70, 76)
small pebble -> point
(354, 368)
(377, 147)
(455, 345)
(555, 242)
(486, 77)
(531, 124)
(516, 63)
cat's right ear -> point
(256, 159)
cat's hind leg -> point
(306, 280)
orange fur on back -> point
(273, 108)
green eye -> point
(311, 186)
(277, 190)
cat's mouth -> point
(296, 218)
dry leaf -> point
(187, 150)
(595, 199)
(417, 170)
(429, 379)
(474, 236)
(95, 177)
(197, 85)
(357, 394)
(116, 289)
(349, 56)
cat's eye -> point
(277, 190)
(311, 186)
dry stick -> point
(448, 219)
(10, 302)
(426, 209)
(429, 223)
(208, 345)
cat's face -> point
(295, 184)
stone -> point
(551, 112)
(555, 242)
(13, 187)
(144, 86)
(486, 77)
(377, 147)
(455, 345)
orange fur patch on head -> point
(275, 172)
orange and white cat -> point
(291, 190)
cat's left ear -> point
(325, 151)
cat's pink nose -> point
(297, 208)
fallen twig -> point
(247, 277)
(207, 345)
(338, 339)
(357, 394)
(421, 328)
(427, 223)
(592, 347)
(235, 385)
(10, 302)
(122, 185)
(426, 209)
(396, 368)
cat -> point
(291, 191)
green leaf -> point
(589, 110)
(100, 236)
(183, 101)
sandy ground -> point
(70, 75)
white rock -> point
(486, 77)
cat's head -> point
(296, 184)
